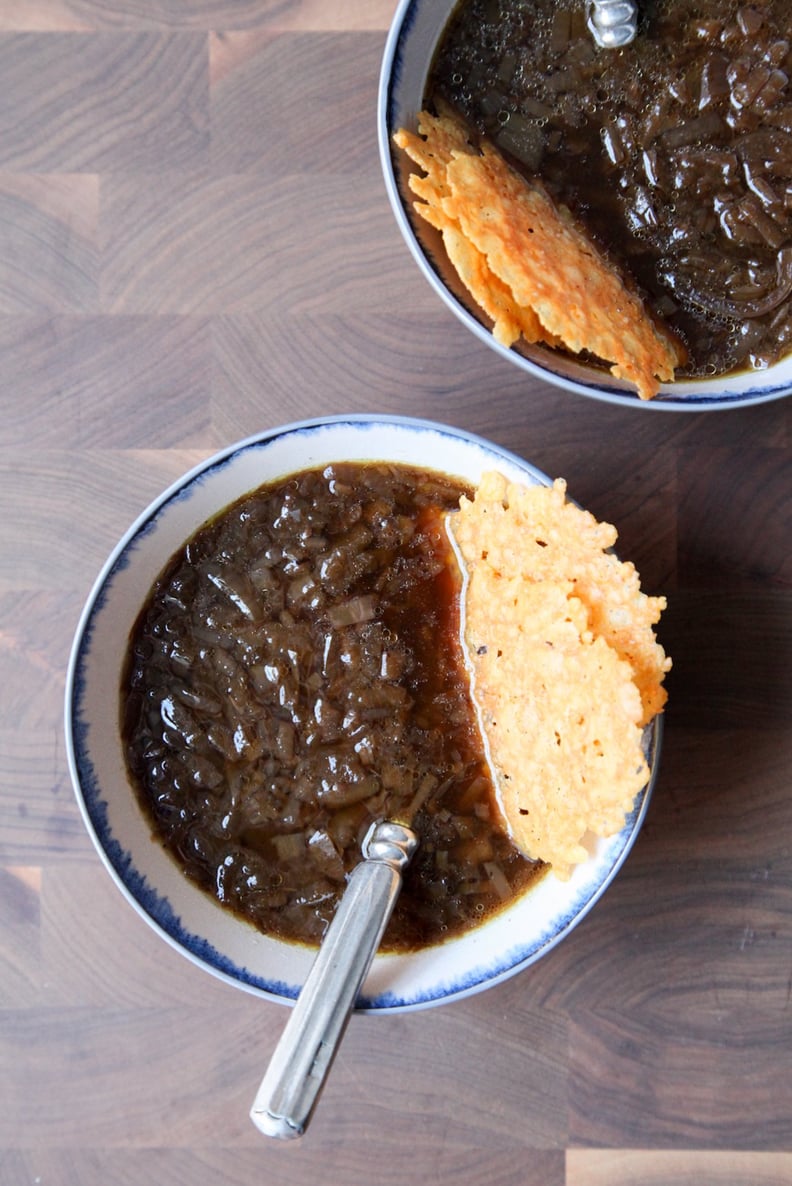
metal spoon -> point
(612, 23)
(302, 1058)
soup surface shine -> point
(296, 674)
(675, 152)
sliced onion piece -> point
(748, 308)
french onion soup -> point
(672, 157)
(302, 667)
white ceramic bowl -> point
(414, 34)
(150, 880)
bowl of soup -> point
(673, 155)
(269, 662)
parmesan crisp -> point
(565, 667)
(526, 262)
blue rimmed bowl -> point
(150, 880)
(415, 32)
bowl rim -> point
(607, 391)
(120, 864)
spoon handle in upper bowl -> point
(612, 23)
(302, 1058)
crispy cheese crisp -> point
(565, 667)
(529, 266)
(433, 151)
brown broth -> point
(296, 674)
(675, 152)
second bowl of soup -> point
(673, 154)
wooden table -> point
(195, 244)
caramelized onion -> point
(745, 309)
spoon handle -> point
(302, 1058)
(612, 23)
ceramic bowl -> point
(193, 923)
(413, 37)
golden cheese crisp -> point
(495, 298)
(433, 151)
(534, 272)
(565, 666)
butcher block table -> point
(196, 245)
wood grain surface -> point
(195, 244)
